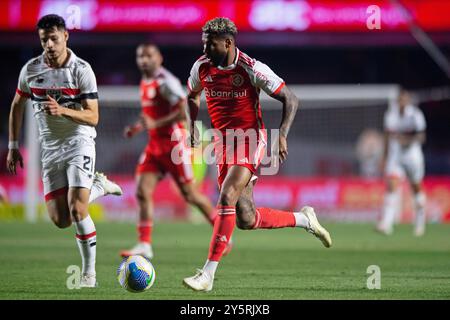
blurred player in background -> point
(369, 152)
(163, 112)
(404, 126)
(3, 195)
(199, 168)
(63, 91)
(232, 82)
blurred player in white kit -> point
(404, 126)
(63, 90)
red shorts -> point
(241, 153)
(174, 158)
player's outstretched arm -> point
(88, 116)
(194, 106)
(176, 115)
(290, 106)
(131, 131)
(15, 124)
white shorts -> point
(65, 168)
(409, 164)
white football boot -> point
(107, 185)
(315, 228)
(142, 248)
(419, 230)
(381, 228)
(88, 281)
(202, 281)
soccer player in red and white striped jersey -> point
(232, 82)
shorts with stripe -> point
(67, 168)
(174, 158)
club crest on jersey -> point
(151, 92)
(237, 80)
(54, 93)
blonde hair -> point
(220, 26)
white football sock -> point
(390, 208)
(419, 204)
(87, 243)
(211, 267)
(301, 220)
(96, 192)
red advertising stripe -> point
(249, 15)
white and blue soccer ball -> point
(136, 274)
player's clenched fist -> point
(13, 157)
(52, 107)
(131, 131)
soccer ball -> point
(136, 273)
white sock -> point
(87, 243)
(419, 204)
(96, 191)
(390, 208)
(211, 267)
(301, 220)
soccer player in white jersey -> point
(404, 126)
(64, 96)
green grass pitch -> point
(264, 264)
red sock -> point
(223, 229)
(266, 218)
(145, 231)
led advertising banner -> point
(249, 15)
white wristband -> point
(13, 145)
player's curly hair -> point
(220, 26)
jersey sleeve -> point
(172, 91)
(22, 87)
(420, 121)
(87, 83)
(194, 84)
(264, 78)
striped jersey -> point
(68, 85)
(232, 92)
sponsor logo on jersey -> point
(208, 78)
(210, 93)
(151, 92)
(54, 93)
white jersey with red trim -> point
(68, 85)
(232, 92)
